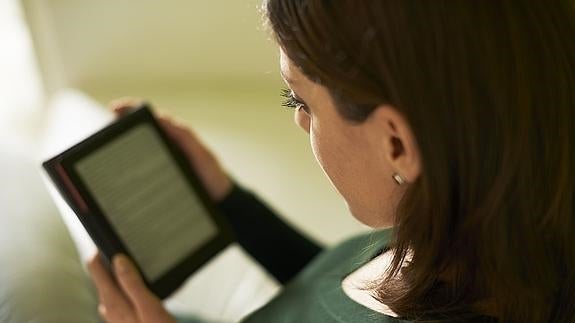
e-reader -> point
(136, 193)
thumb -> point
(132, 283)
(125, 105)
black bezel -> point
(100, 229)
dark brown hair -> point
(488, 88)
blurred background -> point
(211, 64)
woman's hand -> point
(215, 180)
(128, 300)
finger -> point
(110, 295)
(113, 316)
(124, 105)
(175, 131)
(184, 137)
(133, 285)
(173, 125)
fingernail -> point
(121, 264)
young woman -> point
(451, 124)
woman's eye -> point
(292, 102)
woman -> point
(449, 121)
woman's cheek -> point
(303, 120)
(327, 159)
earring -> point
(398, 179)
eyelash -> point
(291, 102)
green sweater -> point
(315, 295)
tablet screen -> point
(143, 194)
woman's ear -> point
(399, 144)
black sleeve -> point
(279, 248)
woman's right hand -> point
(210, 172)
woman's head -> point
(473, 102)
(359, 158)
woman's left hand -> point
(128, 300)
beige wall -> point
(150, 42)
